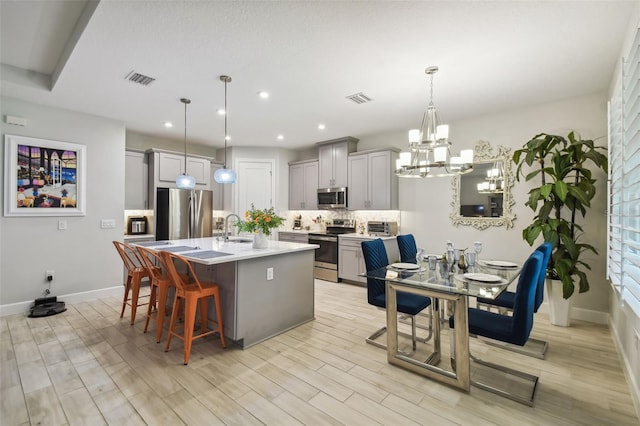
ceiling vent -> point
(138, 78)
(359, 98)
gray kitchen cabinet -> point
(293, 237)
(303, 185)
(171, 165)
(333, 157)
(351, 260)
(136, 175)
(372, 182)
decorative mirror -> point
(483, 197)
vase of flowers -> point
(260, 223)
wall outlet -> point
(269, 274)
(62, 225)
(49, 275)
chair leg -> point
(204, 315)
(152, 303)
(127, 287)
(190, 306)
(135, 292)
(163, 292)
(172, 322)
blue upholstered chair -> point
(514, 329)
(408, 248)
(506, 300)
(375, 257)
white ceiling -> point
(493, 56)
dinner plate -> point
(500, 263)
(406, 266)
(482, 277)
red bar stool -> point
(136, 271)
(193, 293)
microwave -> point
(332, 198)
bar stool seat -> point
(193, 294)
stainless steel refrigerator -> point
(183, 213)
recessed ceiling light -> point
(321, 126)
(228, 137)
(221, 111)
(280, 137)
(263, 94)
(168, 124)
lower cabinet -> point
(351, 260)
(293, 237)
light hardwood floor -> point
(89, 367)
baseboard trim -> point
(634, 383)
(582, 314)
(23, 307)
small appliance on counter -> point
(136, 225)
(382, 229)
(297, 222)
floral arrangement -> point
(260, 220)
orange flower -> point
(267, 219)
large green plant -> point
(566, 188)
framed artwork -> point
(44, 177)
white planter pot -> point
(559, 307)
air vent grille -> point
(138, 78)
(359, 98)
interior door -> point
(255, 185)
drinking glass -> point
(420, 255)
(477, 246)
(471, 259)
(451, 256)
(433, 263)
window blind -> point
(624, 182)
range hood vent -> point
(138, 78)
(359, 98)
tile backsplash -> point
(316, 219)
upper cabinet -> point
(372, 182)
(303, 185)
(333, 157)
(165, 167)
(136, 175)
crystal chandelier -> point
(429, 153)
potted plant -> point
(260, 223)
(564, 168)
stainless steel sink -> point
(240, 240)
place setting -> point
(498, 264)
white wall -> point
(83, 256)
(425, 203)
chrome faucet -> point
(226, 224)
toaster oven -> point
(382, 229)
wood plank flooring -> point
(87, 366)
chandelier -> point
(494, 181)
(429, 153)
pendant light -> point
(225, 175)
(184, 181)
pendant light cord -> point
(185, 137)
(225, 124)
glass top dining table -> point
(482, 280)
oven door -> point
(327, 255)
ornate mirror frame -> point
(484, 153)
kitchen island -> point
(263, 292)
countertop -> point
(356, 236)
(233, 250)
(135, 236)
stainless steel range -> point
(326, 258)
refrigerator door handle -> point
(190, 218)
